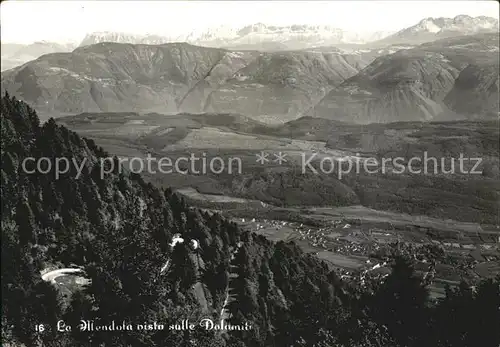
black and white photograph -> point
(250, 173)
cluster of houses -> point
(347, 237)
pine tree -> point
(400, 304)
(26, 222)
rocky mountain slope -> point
(431, 29)
(476, 91)
(397, 83)
(282, 85)
(179, 77)
(420, 84)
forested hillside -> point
(120, 229)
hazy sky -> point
(28, 21)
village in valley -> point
(362, 250)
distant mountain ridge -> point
(292, 36)
(448, 79)
(430, 29)
(121, 37)
(421, 83)
(16, 54)
(179, 77)
(348, 82)
(269, 38)
(302, 36)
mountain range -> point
(271, 37)
(418, 83)
(179, 77)
(430, 29)
(454, 75)
(251, 37)
(14, 54)
(444, 80)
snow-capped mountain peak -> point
(294, 36)
(429, 25)
(121, 37)
(430, 29)
(462, 23)
(299, 36)
(210, 34)
(108, 36)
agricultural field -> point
(359, 243)
(447, 223)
